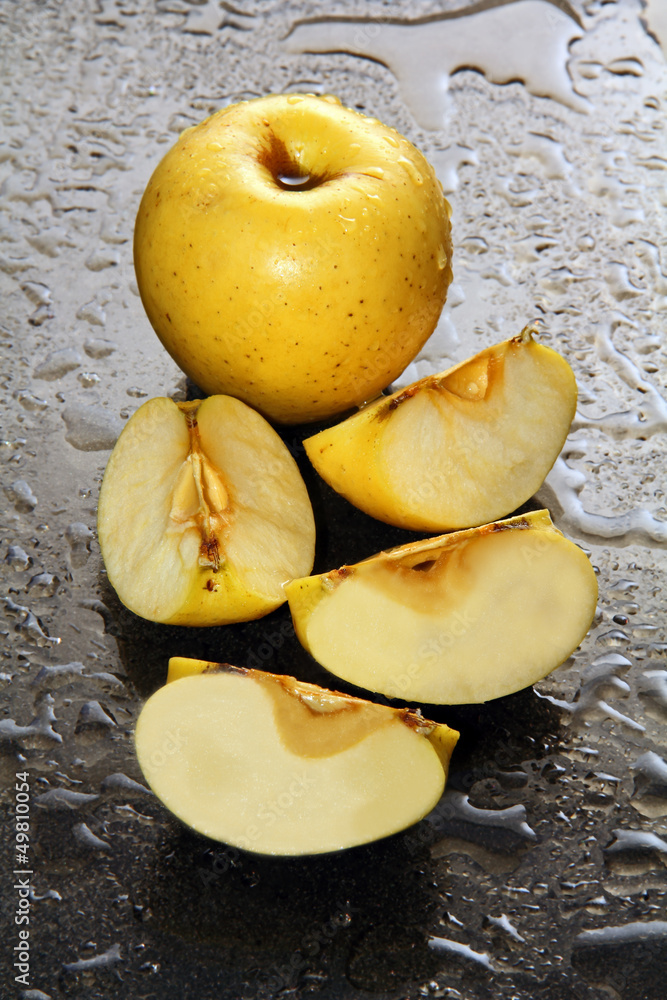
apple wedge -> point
(203, 514)
(457, 619)
(457, 449)
(275, 766)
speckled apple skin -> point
(301, 302)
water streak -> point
(525, 40)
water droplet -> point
(474, 244)
(93, 717)
(503, 923)
(34, 633)
(615, 637)
(631, 955)
(546, 152)
(93, 313)
(98, 348)
(650, 786)
(653, 690)
(585, 242)
(21, 496)
(119, 782)
(79, 537)
(460, 951)
(91, 428)
(106, 960)
(103, 258)
(64, 798)
(17, 558)
(57, 364)
(39, 294)
(43, 585)
(411, 170)
(85, 836)
(31, 402)
(447, 163)
(38, 730)
(635, 851)
(57, 674)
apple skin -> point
(302, 301)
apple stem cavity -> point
(300, 182)
(285, 168)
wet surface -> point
(542, 872)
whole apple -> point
(293, 253)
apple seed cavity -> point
(201, 499)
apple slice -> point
(275, 766)
(203, 514)
(457, 619)
(457, 449)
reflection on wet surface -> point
(541, 874)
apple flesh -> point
(275, 766)
(203, 514)
(458, 449)
(293, 253)
(457, 619)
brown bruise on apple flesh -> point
(201, 499)
(335, 577)
(520, 523)
(424, 580)
(316, 722)
(312, 722)
(421, 575)
(472, 381)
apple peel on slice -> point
(276, 766)
(203, 514)
(458, 449)
(458, 619)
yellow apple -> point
(293, 253)
(457, 619)
(203, 514)
(457, 449)
(275, 766)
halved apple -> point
(456, 619)
(203, 514)
(276, 766)
(457, 449)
